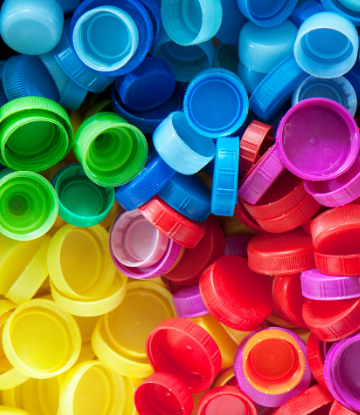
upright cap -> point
(188, 302)
(232, 22)
(304, 10)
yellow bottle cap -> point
(225, 377)
(131, 384)
(97, 307)
(274, 318)
(87, 326)
(233, 227)
(79, 262)
(57, 224)
(237, 335)
(41, 340)
(7, 410)
(76, 120)
(111, 216)
(304, 334)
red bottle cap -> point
(175, 226)
(331, 321)
(316, 358)
(338, 409)
(243, 215)
(279, 254)
(307, 225)
(195, 261)
(345, 265)
(236, 296)
(226, 399)
(256, 141)
(288, 299)
(184, 349)
(307, 402)
(163, 393)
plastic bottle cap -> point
(244, 217)
(351, 4)
(184, 62)
(268, 13)
(229, 397)
(195, 261)
(193, 24)
(338, 409)
(288, 299)
(182, 230)
(315, 352)
(188, 302)
(186, 350)
(265, 399)
(324, 154)
(273, 92)
(311, 48)
(8, 410)
(304, 10)
(111, 151)
(226, 287)
(227, 57)
(21, 20)
(337, 320)
(135, 242)
(41, 340)
(163, 393)
(279, 254)
(226, 378)
(201, 104)
(69, 6)
(79, 262)
(346, 265)
(153, 9)
(81, 202)
(237, 245)
(250, 78)
(232, 23)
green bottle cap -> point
(111, 150)
(29, 205)
(81, 202)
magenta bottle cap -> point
(318, 139)
(318, 286)
(135, 241)
(263, 175)
(237, 245)
(188, 302)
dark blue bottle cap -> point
(153, 8)
(354, 77)
(227, 57)
(148, 86)
(188, 195)
(232, 23)
(304, 11)
(150, 181)
(68, 6)
(3, 99)
(2, 63)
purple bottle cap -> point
(318, 139)
(135, 241)
(263, 175)
(188, 302)
(237, 245)
(339, 191)
(318, 286)
(261, 398)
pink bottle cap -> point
(237, 245)
(188, 302)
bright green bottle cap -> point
(111, 150)
(81, 201)
(28, 205)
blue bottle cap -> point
(153, 177)
(232, 22)
(180, 146)
(148, 86)
(263, 48)
(148, 121)
(153, 9)
(338, 89)
(250, 78)
(27, 76)
(304, 10)
(341, 7)
(351, 5)
(267, 13)
(185, 61)
(216, 103)
(31, 27)
(209, 168)
(3, 99)
(2, 63)
(191, 22)
(326, 45)
(188, 195)
(225, 179)
(227, 57)
(68, 6)
(353, 77)
(276, 88)
(104, 38)
(74, 68)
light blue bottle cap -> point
(2, 63)
(188, 195)
(342, 7)
(111, 32)
(337, 89)
(191, 22)
(153, 9)
(148, 86)
(68, 6)
(353, 77)
(31, 27)
(153, 177)
(216, 103)
(351, 5)
(227, 57)
(148, 121)
(27, 76)
(326, 45)
(304, 10)
(75, 68)
(184, 62)
(263, 48)
(225, 178)
(250, 78)
(232, 22)
(267, 13)
(180, 146)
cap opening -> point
(158, 400)
(265, 9)
(321, 89)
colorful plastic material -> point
(188, 302)
(237, 245)
(227, 57)
(304, 10)
(251, 79)
(338, 409)
(232, 22)
(68, 6)
(316, 351)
